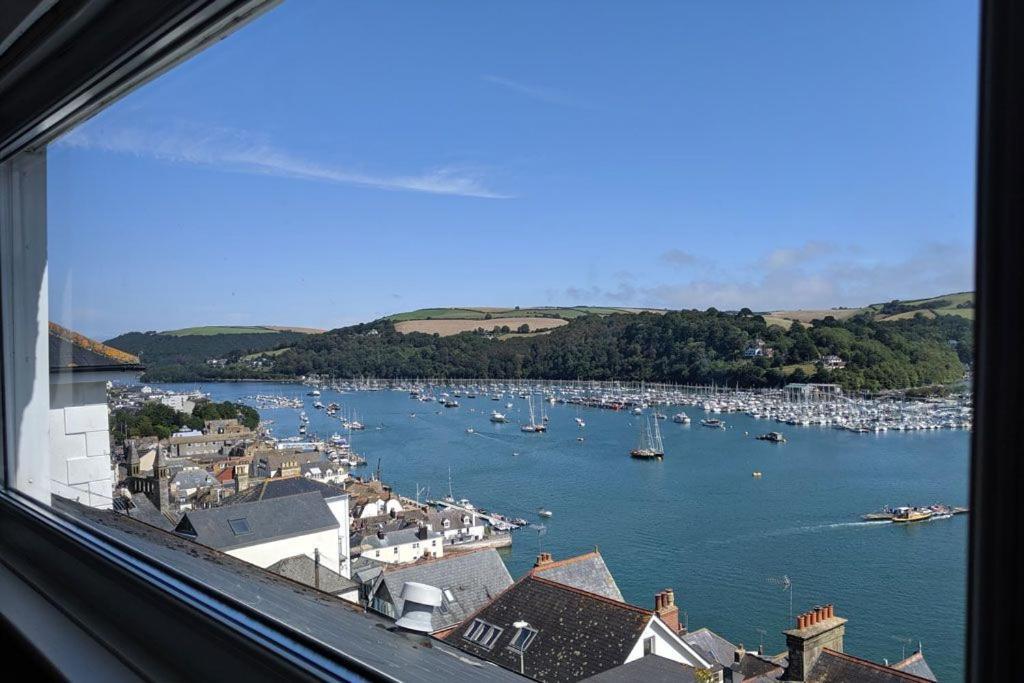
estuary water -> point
(698, 521)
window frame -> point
(33, 534)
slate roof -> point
(70, 351)
(579, 634)
(266, 520)
(649, 669)
(472, 579)
(587, 572)
(397, 537)
(915, 664)
(718, 648)
(301, 568)
(288, 486)
(337, 624)
(139, 507)
(832, 666)
(193, 479)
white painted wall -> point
(340, 509)
(667, 645)
(79, 438)
(408, 552)
(266, 554)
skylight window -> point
(482, 633)
(522, 639)
(239, 527)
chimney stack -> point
(543, 559)
(666, 609)
(738, 655)
(815, 630)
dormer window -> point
(446, 523)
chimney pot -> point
(831, 610)
(801, 621)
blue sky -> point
(333, 162)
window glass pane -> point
(677, 297)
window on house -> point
(523, 638)
(239, 526)
(482, 633)
(649, 645)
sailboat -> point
(649, 444)
(533, 425)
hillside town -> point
(277, 513)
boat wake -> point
(810, 529)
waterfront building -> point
(268, 531)
(80, 465)
(466, 582)
(401, 545)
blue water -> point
(698, 521)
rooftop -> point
(915, 664)
(70, 351)
(302, 568)
(468, 581)
(579, 634)
(238, 526)
(587, 572)
(839, 666)
(270, 489)
(649, 669)
(337, 624)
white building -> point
(80, 465)
(403, 545)
(268, 531)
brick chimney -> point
(815, 629)
(422, 533)
(665, 607)
(543, 559)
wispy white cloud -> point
(814, 275)
(544, 94)
(240, 151)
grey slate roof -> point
(915, 664)
(288, 486)
(720, 649)
(398, 537)
(266, 520)
(649, 669)
(473, 579)
(141, 508)
(301, 568)
(194, 478)
(579, 634)
(587, 572)
(335, 623)
(834, 666)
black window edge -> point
(994, 596)
(160, 622)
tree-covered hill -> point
(694, 347)
(679, 346)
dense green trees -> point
(156, 419)
(697, 347)
(679, 346)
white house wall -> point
(339, 508)
(666, 645)
(266, 554)
(80, 464)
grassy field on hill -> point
(959, 304)
(447, 321)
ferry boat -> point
(713, 422)
(649, 445)
(904, 514)
(773, 437)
